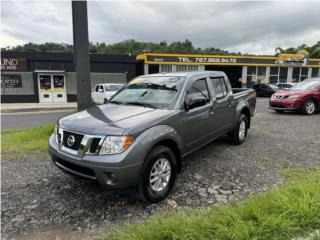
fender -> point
(152, 136)
(240, 107)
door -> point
(223, 105)
(195, 123)
(52, 88)
(59, 90)
(45, 88)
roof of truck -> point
(187, 74)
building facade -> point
(241, 70)
(51, 77)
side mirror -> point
(196, 102)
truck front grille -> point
(68, 137)
(94, 148)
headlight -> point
(116, 144)
(293, 97)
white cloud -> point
(250, 27)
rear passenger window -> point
(220, 87)
(198, 88)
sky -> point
(247, 27)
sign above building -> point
(298, 59)
(11, 81)
(13, 64)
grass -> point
(284, 213)
(17, 143)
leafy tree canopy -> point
(134, 47)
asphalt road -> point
(21, 120)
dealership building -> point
(50, 77)
(242, 71)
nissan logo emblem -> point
(71, 140)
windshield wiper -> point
(116, 102)
(141, 104)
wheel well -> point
(246, 112)
(174, 147)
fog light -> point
(111, 178)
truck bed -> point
(246, 94)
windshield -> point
(273, 86)
(155, 92)
(114, 88)
(307, 85)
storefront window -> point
(262, 72)
(315, 72)
(304, 74)
(165, 68)
(274, 75)
(283, 74)
(187, 68)
(296, 74)
(251, 76)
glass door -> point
(45, 88)
(52, 88)
(59, 91)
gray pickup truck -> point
(138, 139)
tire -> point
(152, 191)
(309, 107)
(105, 101)
(235, 137)
(279, 111)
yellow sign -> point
(300, 58)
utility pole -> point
(81, 53)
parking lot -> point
(37, 197)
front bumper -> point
(116, 171)
(284, 104)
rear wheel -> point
(239, 134)
(158, 175)
(105, 101)
(309, 107)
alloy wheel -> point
(160, 174)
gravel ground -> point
(40, 202)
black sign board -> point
(13, 64)
(11, 81)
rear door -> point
(223, 104)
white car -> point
(104, 91)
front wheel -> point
(105, 101)
(279, 111)
(239, 134)
(309, 107)
(158, 175)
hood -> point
(291, 92)
(111, 119)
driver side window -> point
(198, 88)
